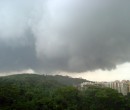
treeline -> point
(32, 93)
(35, 78)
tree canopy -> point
(36, 93)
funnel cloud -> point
(64, 35)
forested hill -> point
(39, 79)
(40, 92)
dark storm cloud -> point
(65, 35)
(17, 54)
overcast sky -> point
(80, 37)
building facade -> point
(121, 86)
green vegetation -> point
(38, 92)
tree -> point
(104, 99)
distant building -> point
(121, 86)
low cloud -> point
(69, 36)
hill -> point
(40, 92)
(39, 79)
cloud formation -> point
(67, 35)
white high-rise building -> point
(121, 86)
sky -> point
(80, 38)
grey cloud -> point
(70, 36)
(17, 54)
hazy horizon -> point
(120, 73)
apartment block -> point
(121, 86)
